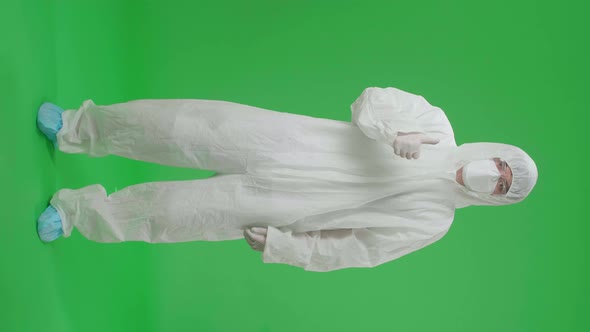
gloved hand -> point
(256, 237)
(407, 145)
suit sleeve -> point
(380, 113)
(333, 249)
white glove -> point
(407, 145)
(256, 237)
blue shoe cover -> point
(49, 225)
(49, 120)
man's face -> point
(504, 182)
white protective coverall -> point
(333, 194)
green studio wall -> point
(506, 71)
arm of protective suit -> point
(333, 249)
(381, 113)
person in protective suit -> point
(315, 193)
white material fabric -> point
(481, 176)
(332, 193)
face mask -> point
(481, 176)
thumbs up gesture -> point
(407, 145)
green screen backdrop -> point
(503, 71)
